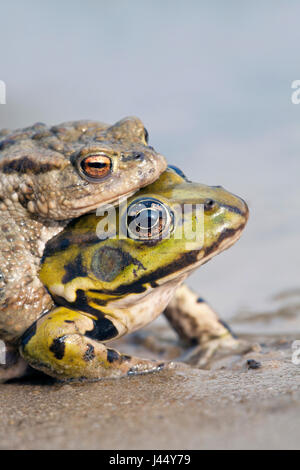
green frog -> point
(109, 276)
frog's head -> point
(163, 232)
(68, 170)
(174, 225)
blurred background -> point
(212, 83)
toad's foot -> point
(198, 324)
(64, 344)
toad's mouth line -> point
(101, 204)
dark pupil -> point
(98, 165)
(147, 219)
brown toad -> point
(48, 176)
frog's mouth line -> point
(225, 241)
(145, 287)
(175, 272)
(179, 268)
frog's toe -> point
(204, 355)
(147, 367)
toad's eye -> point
(148, 219)
(95, 167)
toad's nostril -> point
(132, 156)
(138, 156)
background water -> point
(212, 82)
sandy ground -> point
(227, 407)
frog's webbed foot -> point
(14, 367)
(197, 324)
(65, 344)
(203, 355)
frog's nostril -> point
(209, 204)
(220, 187)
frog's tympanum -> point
(109, 286)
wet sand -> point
(227, 407)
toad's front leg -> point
(65, 344)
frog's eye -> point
(95, 167)
(148, 219)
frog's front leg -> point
(193, 319)
(65, 344)
(197, 324)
